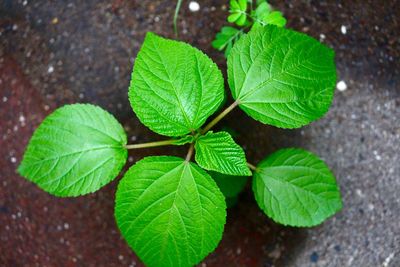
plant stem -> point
(151, 144)
(178, 7)
(219, 117)
(190, 153)
(251, 166)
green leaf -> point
(170, 211)
(238, 12)
(274, 18)
(224, 37)
(229, 185)
(281, 77)
(231, 201)
(174, 87)
(262, 10)
(219, 152)
(76, 150)
(294, 187)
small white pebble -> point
(194, 6)
(15, 27)
(5, 99)
(66, 226)
(388, 260)
(21, 119)
(341, 86)
(25, 3)
(359, 193)
(377, 156)
(50, 69)
(46, 107)
(120, 257)
(343, 29)
(130, 159)
(322, 36)
(81, 96)
(13, 159)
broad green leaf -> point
(294, 187)
(76, 150)
(229, 185)
(281, 77)
(170, 211)
(174, 87)
(219, 152)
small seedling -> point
(246, 15)
(170, 210)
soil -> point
(58, 52)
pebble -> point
(194, 6)
(343, 29)
(388, 260)
(50, 69)
(54, 20)
(341, 86)
(21, 119)
(13, 160)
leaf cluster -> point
(170, 210)
(245, 14)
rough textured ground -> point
(57, 52)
